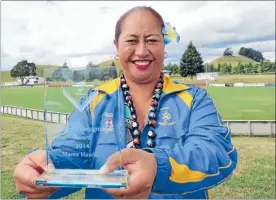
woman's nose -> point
(142, 50)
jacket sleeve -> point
(202, 158)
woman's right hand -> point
(27, 171)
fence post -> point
(66, 120)
(32, 114)
(271, 129)
(59, 118)
(249, 128)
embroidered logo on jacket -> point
(107, 123)
(166, 116)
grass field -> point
(234, 103)
(253, 178)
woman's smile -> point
(142, 64)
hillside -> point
(109, 63)
(5, 75)
(234, 60)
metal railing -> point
(237, 127)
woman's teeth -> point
(142, 62)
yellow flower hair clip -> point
(170, 34)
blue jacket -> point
(193, 146)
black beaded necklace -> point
(152, 114)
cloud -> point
(78, 32)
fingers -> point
(41, 195)
(38, 166)
(23, 189)
(119, 159)
(115, 192)
(26, 175)
(136, 186)
(124, 193)
(27, 171)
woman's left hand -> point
(142, 169)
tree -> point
(23, 69)
(228, 52)
(268, 67)
(65, 65)
(254, 68)
(234, 70)
(57, 75)
(223, 68)
(229, 69)
(260, 68)
(251, 53)
(90, 64)
(248, 68)
(168, 67)
(113, 72)
(211, 68)
(240, 68)
(90, 74)
(191, 62)
(78, 76)
(48, 79)
(175, 69)
(219, 66)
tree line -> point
(252, 54)
(225, 68)
(89, 74)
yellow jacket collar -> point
(169, 86)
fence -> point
(55, 117)
(238, 127)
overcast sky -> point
(52, 32)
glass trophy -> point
(82, 127)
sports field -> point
(234, 103)
(254, 177)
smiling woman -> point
(140, 45)
(176, 144)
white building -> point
(31, 80)
(208, 76)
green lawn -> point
(253, 178)
(234, 103)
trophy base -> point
(75, 178)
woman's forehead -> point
(141, 20)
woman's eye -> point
(131, 41)
(152, 41)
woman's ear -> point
(116, 44)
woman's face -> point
(140, 47)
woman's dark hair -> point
(137, 8)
